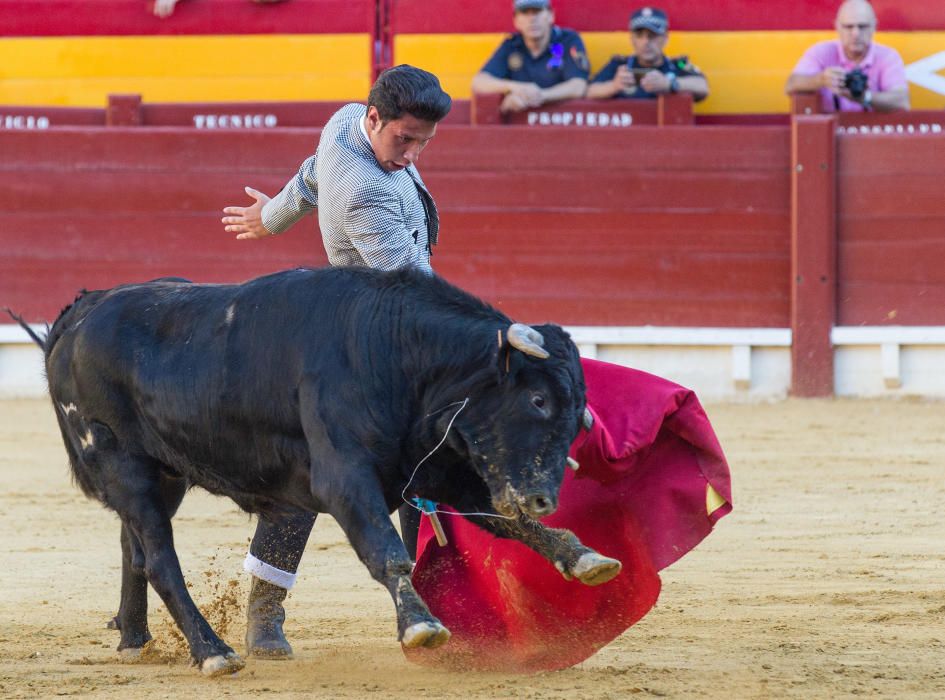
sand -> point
(827, 581)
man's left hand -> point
(655, 82)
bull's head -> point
(518, 428)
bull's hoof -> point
(425, 634)
(113, 624)
(129, 655)
(593, 569)
(278, 652)
(221, 665)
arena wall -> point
(746, 262)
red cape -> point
(643, 495)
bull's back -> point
(187, 373)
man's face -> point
(397, 143)
(648, 46)
(855, 26)
(534, 24)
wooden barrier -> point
(130, 110)
(677, 226)
(665, 110)
(813, 254)
(900, 122)
(891, 235)
(639, 226)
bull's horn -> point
(587, 420)
(573, 463)
(527, 339)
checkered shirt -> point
(367, 216)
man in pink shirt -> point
(830, 67)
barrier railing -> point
(663, 111)
(900, 122)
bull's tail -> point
(41, 342)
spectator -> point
(373, 210)
(165, 8)
(648, 72)
(539, 63)
(836, 68)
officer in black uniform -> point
(539, 63)
(648, 72)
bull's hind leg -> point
(133, 489)
(132, 617)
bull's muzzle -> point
(535, 503)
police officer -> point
(539, 63)
(648, 72)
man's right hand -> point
(246, 222)
(834, 79)
(521, 96)
(624, 81)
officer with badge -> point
(539, 63)
(648, 72)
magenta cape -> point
(652, 483)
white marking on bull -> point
(71, 408)
(230, 312)
(87, 440)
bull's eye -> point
(538, 401)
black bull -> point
(319, 390)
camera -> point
(856, 82)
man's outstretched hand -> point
(246, 222)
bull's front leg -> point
(559, 546)
(360, 510)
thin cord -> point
(403, 494)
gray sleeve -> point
(298, 198)
(375, 225)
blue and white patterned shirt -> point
(367, 215)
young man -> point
(539, 63)
(373, 210)
(880, 83)
(648, 72)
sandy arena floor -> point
(827, 581)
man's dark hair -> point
(405, 89)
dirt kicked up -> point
(828, 580)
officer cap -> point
(521, 5)
(650, 18)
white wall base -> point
(21, 371)
(719, 364)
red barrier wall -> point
(671, 226)
(417, 16)
(135, 17)
(891, 233)
(674, 225)
(132, 204)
